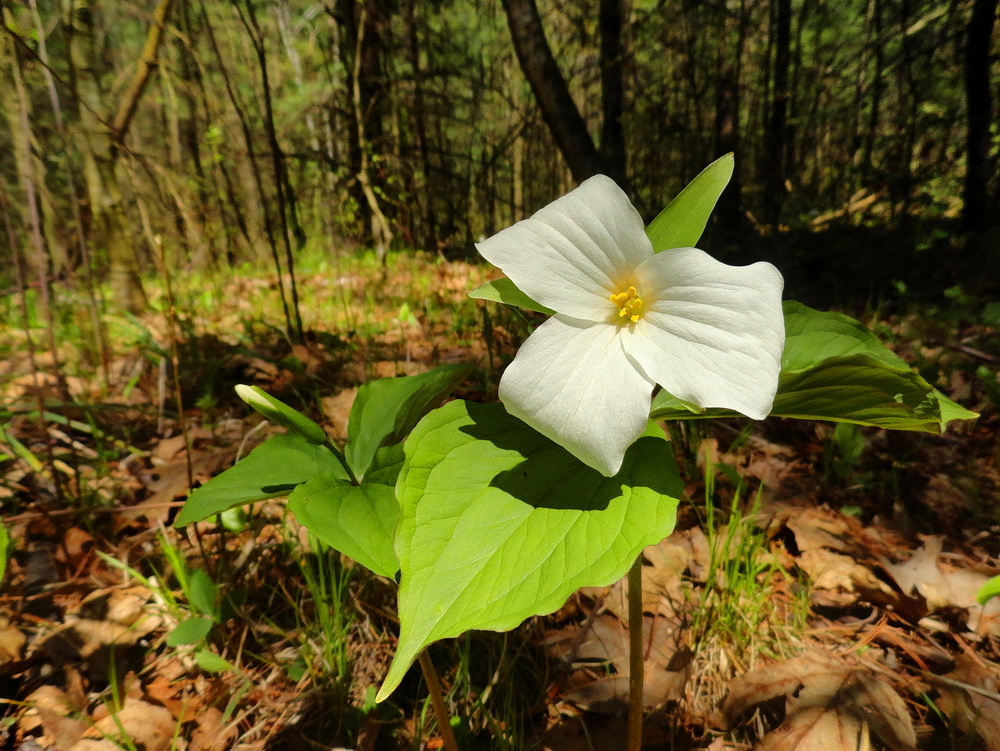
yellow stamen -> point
(629, 304)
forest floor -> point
(819, 590)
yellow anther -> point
(629, 304)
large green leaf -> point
(271, 470)
(812, 336)
(862, 390)
(505, 291)
(358, 520)
(387, 409)
(683, 221)
(499, 523)
(833, 368)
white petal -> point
(712, 334)
(571, 382)
(572, 254)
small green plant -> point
(842, 453)
(741, 610)
(200, 606)
(957, 740)
(323, 650)
(6, 550)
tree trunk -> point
(190, 130)
(251, 170)
(878, 86)
(727, 120)
(558, 109)
(612, 92)
(979, 106)
(362, 58)
(774, 193)
(287, 212)
(99, 157)
(17, 109)
(421, 194)
(100, 146)
(144, 69)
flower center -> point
(629, 305)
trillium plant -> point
(487, 514)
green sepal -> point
(682, 223)
(6, 549)
(202, 593)
(503, 290)
(189, 631)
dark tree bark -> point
(363, 26)
(429, 234)
(774, 193)
(727, 119)
(979, 105)
(612, 149)
(727, 139)
(561, 115)
(878, 87)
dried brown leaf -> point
(95, 744)
(12, 641)
(605, 641)
(210, 735)
(143, 724)
(52, 710)
(817, 729)
(829, 570)
(970, 710)
(944, 587)
(337, 410)
(771, 681)
(816, 528)
(168, 449)
(829, 704)
(76, 544)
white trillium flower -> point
(627, 319)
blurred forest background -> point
(286, 193)
(193, 134)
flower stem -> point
(437, 700)
(343, 461)
(635, 661)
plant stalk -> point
(437, 700)
(635, 661)
(343, 461)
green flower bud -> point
(279, 412)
